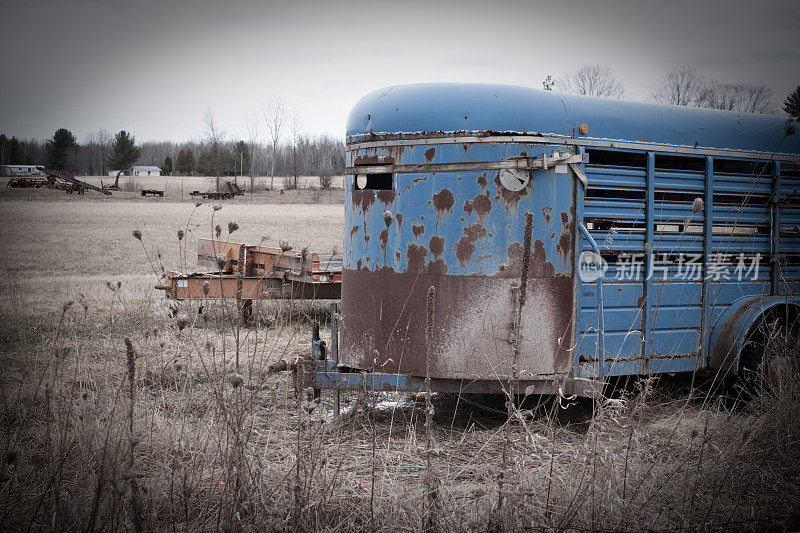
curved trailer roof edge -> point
(409, 111)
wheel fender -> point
(730, 331)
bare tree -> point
(592, 80)
(276, 120)
(214, 137)
(295, 133)
(252, 137)
(742, 97)
(683, 86)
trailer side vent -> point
(374, 181)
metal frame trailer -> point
(503, 199)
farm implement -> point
(26, 183)
(266, 273)
(65, 181)
(114, 186)
(233, 191)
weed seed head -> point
(67, 305)
(137, 234)
(206, 287)
(285, 246)
(698, 205)
(387, 218)
(183, 321)
(180, 234)
(218, 230)
(217, 207)
(222, 259)
(198, 204)
(232, 226)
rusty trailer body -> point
(267, 273)
(439, 181)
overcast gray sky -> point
(153, 67)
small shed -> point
(145, 170)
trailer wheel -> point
(770, 359)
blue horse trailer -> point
(659, 238)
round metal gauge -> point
(514, 179)
(361, 181)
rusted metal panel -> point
(384, 317)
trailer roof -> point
(411, 110)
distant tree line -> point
(101, 153)
(324, 156)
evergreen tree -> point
(191, 165)
(16, 155)
(792, 103)
(241, 153)
(60, 150)
(124, 152)
(185, 162)
(3, 149)
(167, 168)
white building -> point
(20, 170)
(141, 170)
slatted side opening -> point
(741, 232)
(614, 213)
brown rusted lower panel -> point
(384, 324)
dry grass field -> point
(116, 415)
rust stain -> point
(363, 199)
(384, 238)
(443, 201)
(539, 267)
(399, 218)
(417, 230)
(482, 181)
(373, 160)
(436, 246)
(468, 208)
(465, 246)
(429, 153)
(353, 231)
(386, 196)
(358, 264)
(418, 180)
(397, 257)
(546, 214)
(564, 246)
(437, 268)
(482, 205)
(416, 255)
